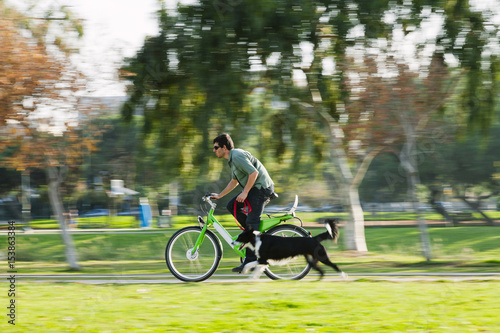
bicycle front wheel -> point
(188, 265)
(294, 268)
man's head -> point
(224, 140)
(223, 145)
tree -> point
(411, 102)
(414, 108)
(36, 80)
(475, 176)
(468, 169)
(210, 55)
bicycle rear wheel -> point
(188, 266)
(295, 268)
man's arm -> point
(251, 180)
(230, 186)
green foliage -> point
(467, 38)
(191, 80)
(198, 77)
(465, 163)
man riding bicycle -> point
(258, 187)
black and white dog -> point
(269, 248)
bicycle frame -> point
(265, 225)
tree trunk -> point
(55, 179)
(26, 199)
(438, 207)
(408, 158)
(475, 206)
(422, 226)
(355, 227)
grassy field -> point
(362, 305)
(273, 306)
(458, 249)
(228, 220)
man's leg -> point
(256, 199)
(253, 199)
(240, 216)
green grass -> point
(272, 306)
(96, 246)
(264, 306)
(458, 249)
(90, 222)
(228, 220)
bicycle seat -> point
(271, 197)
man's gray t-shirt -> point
(243, 163)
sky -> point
(117, 28)
(117, 23)
(113, 29)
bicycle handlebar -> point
(208, 198)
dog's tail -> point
(332, 231)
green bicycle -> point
(193, 253)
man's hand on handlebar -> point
(215, 196)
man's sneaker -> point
(239, 269)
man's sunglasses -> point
(217, 147)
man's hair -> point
(224, 140)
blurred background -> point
(353, 105)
